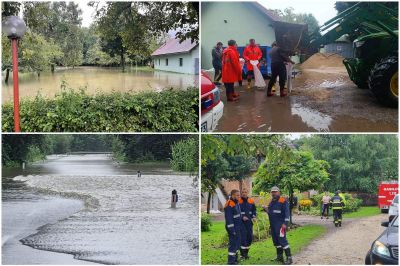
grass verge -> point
(363, 212)
(214, 247)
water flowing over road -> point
(109, 215)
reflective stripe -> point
(286, 219)
(286, 247)
(278, 246)
(231, 253)
(230, 225)
(236, 216)
(276, 211)
(250, 212)
(243, 212)
(242, 247)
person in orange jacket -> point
(230, 69)
(251, 52)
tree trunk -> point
(52, 68)
(240, 186)
(209, 202)
(122, 60)
(7, 75)
(38, 74)
(290, 204)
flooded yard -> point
(98, 210)
(321, 100)
(97, 79)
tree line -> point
(352, 163)
(56, 37)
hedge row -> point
(76, 111)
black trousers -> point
(277, 69)
(325, 207)
(229, 88)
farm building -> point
(342, 46)
(177, 57)
(222, 21)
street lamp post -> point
(14, 28)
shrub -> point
(351, 204)
(76, 111)
(205, 222)
(305, 204)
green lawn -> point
(363, 212)
(214, 244)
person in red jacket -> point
(251, 52)
(230, 70)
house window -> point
(159, 61)
(166, 61)
(180, 61)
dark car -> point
(385, 249)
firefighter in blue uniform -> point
(337, 205)
(249, 214)
(233, 225)
(278, 213)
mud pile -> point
(320, 60)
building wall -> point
(243, 22)
(189, 61)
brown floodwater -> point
(96, 79)
(320, 102)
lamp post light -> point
(14, 28)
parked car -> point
(394, 208)
(212, 107)
(386, 192)
(385, 249)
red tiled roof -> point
(172, 46)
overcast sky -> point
(322, 10)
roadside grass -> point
(363, 212)
(214, 244)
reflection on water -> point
(131, 222)
(97, 79)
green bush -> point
(76, 111)
(205, 222)
(351, 205)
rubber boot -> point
(288, 254)
(248, 84)
(242, 254)
(231, 98)
(279, 255)
(283, 93)
(235, 95)
(270, 92)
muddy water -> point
(97, 79)
(319, 102)
(122, 219)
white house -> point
(177, 57)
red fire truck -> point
(386, 192)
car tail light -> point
(211, 99)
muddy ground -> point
(322, 99)
(348, 244)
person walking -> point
(278, 214)
(325, 205)
(174, 199)
(249, 214)
(337, 207)
(216, 53)
(278, 68)
(230, 70)
(233, 225)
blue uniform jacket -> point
(278, 212)
(248, 208)
(233, 217)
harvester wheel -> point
(383, 81)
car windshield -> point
(396, 222)
(396, 199)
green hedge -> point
(205, 222)
(76, 111)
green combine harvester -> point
(375, 64)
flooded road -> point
(97, 79)
(109, 215)
(319, 101)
